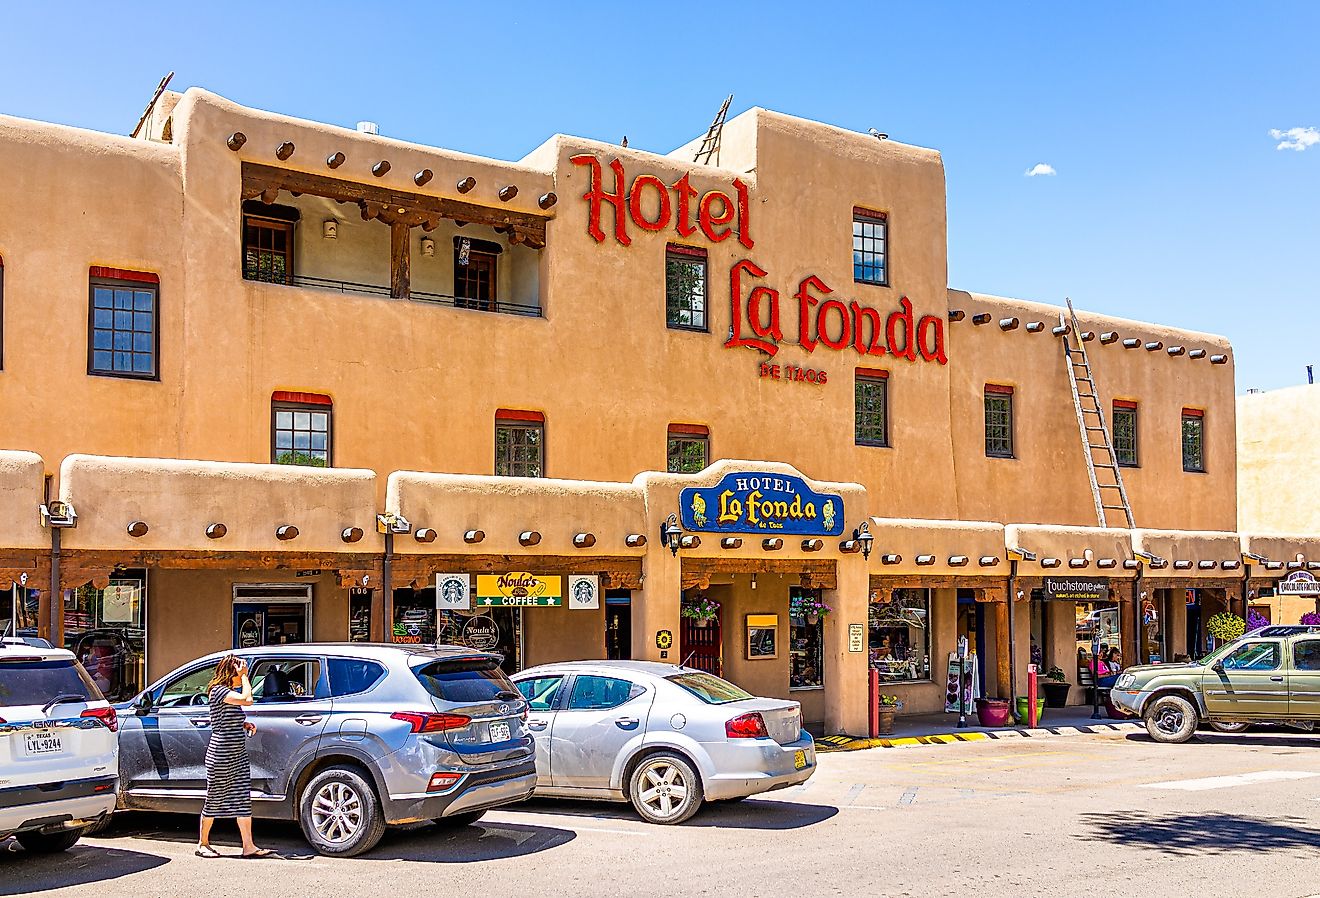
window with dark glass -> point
(689, 448)
(685, 287)
(898, 641)
(1125, 433)
(998, 421)
(806, 639)
(123, 332)
(519, 444)
(268, 242)
(1193, 440)
(871, 408)
(301, 429)
(870, 236)
(474, 273)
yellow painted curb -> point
(848, 743)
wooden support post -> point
(1002, 658)
(400, 252)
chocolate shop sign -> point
(1299, 583)
(761, 503)
(1077, 589)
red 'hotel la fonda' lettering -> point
(248, 424)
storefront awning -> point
(1045, 550)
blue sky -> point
(1170, 201)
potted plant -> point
(1022, 709)
(889, 706)
(993, 712)
(812, 608)
(701, 610)
(1056, 688)
(1311, 619)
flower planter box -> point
(993, 712)
(885, 720)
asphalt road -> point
(1112, 815)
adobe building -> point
(273, 380)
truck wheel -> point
(665, 788)
(1171, 719)
(340, 814)
(49, 843)
(1226, 726)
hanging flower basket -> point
(1225, 626)
(809, 607)
(701, 610)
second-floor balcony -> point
(318, 232)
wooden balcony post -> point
(400, 252)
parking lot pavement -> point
(1117, 814)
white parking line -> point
(1227, 782)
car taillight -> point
(442, 781)
(432, 723)
(107, 716)
(746, 726)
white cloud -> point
(1296, 138)
(1040, 168)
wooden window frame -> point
(691, 434)
(879, 377)
(271, 217)
(100, 276)
(282, 401)
(1125, 406)
(1004, 392)
(862, 215)
(1197, 415)
(519, 419)
(677, 252)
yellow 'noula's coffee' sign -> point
(519, 589)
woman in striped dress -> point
(228, 770)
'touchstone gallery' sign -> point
(519, 589)
(761, 503)
(1077, 589)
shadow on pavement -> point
(1199, 834)
(25, 874)
(418, 842)
(1266, 740)
(752, 813)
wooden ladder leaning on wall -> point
(1112, 508)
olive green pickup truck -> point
(1271, 675)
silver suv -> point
(57, 747)
(350, 738)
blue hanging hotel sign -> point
(761, 503)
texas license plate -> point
(43, 743)
(499, 732)
(799, 760)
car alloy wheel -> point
(337, 812)
(1169, 721)
(665, 788)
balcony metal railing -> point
(441, 299)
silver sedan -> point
(663, 737)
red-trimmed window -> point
(870, 245)
(519, 443)
(1124, 430)
(685, 287)
(998, 421)
(688, 448)
(301, 429)
(871, 407)
(123, 327)
(1193, 440)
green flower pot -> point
(1021, 712)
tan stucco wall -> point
(22, 477)
(416, 385)
(1276, 440)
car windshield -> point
(32, 681)
(467, 680)
(710, 688)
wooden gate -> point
(701, 646)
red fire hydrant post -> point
(873, 703)
(1031, 696)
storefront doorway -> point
(701, 643)
(106, 630)
(972, 625)
(618, 624)
(271, 614)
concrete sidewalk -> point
(942, 729)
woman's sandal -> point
(207, 851)
(260, 853)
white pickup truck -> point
(59, 755)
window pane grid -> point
(999, 425)
(688, 454)
(685, 292)
(1125, 436)
(123, 332)
(871, 413)
(267, 250)
(518, 450)
(301, 436)
(475, 281)
(1193, 443)
(869, 238)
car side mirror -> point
(1217, 667)
(145, 703)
